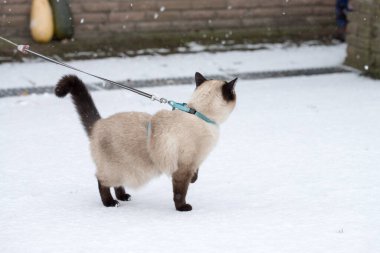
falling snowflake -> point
(162, 8)
(366, 67)
(155, 15)
(82, 20)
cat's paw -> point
(194, 178)
(111, 203)
(184, 208)
(124, 197)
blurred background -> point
(296, 168)
(91, 28)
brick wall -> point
(161, 23)
(363, 39)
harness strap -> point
(183, 107)
(149, 131)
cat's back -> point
(121, 132)
(123, 123)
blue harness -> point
(183, 107)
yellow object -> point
(41, 21)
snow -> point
(275, 57)
(296, 170)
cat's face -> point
(214, 97)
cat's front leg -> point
(181, 180)
(195, 176)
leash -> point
(182, 107)
(25, 49)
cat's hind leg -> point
(121, 195)
(105, 195)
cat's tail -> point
(81, 98)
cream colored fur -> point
(125, 156)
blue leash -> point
(182, 107)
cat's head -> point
(214, 98)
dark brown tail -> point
(81, 98)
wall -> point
(363, 51)
(117, 25)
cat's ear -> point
(199, 79)
(228, 90)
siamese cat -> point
(132, 148)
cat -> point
(131, 148)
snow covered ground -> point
(275, 57)
(296, 170)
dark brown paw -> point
(194, 178)
(111, 203)
(124, 197)
(184, 208)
